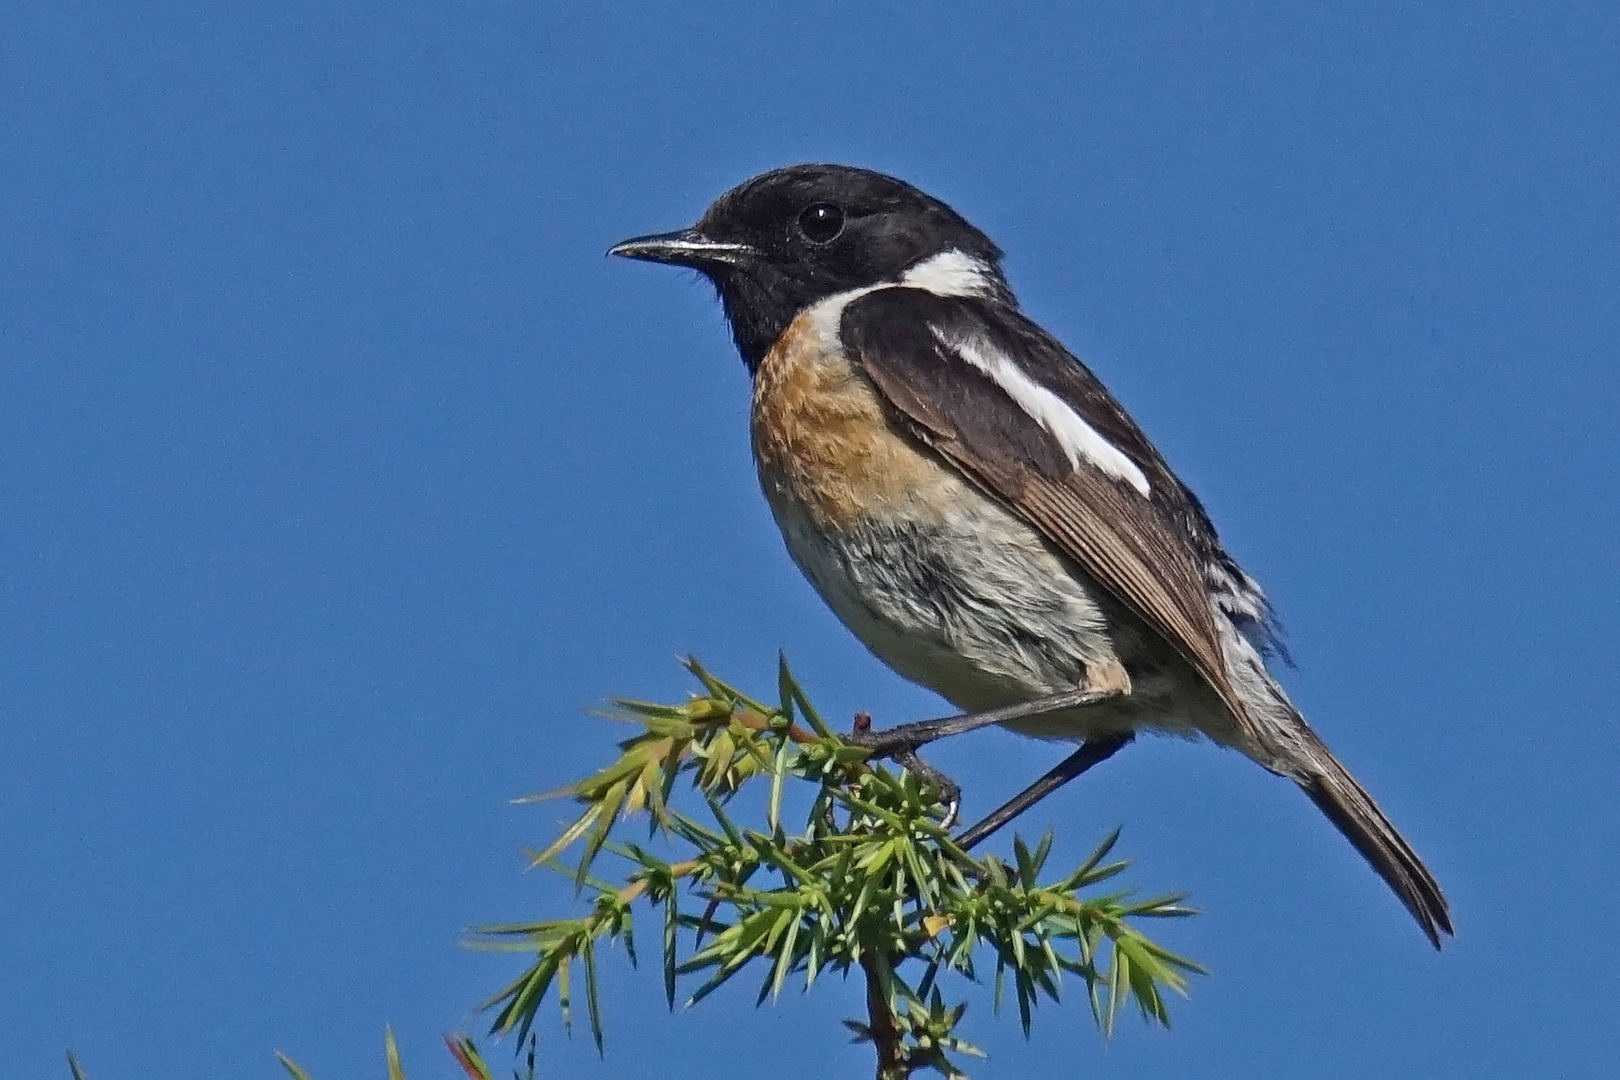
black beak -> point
(688, 247)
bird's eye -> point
(821, 223)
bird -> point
(980, 511)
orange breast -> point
(823, 443)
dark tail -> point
(1353, 812)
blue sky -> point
(340, 474)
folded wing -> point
(1021, 417)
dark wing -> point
(940, 362)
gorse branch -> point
(870, 882)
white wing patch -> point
(956, 273)
(951, 273)
(1079, 440)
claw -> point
(950, 792)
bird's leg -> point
(1091, 752)
(1104, 681)
(891, 741)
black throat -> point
(761, 299)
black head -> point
(777, 243)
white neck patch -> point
(1079, 440)
(825, 315)
(952, 273)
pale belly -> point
(979, 610)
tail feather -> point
(1354, 813)
(1272, 732)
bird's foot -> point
(899, 744)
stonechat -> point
(979, 510)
